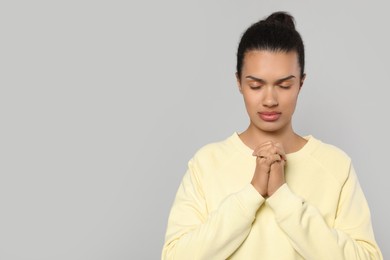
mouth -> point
(269, 116)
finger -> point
(262, 147)
(279, 150)
(271, 155)
(273, 158)
(268, 148)
(278, 164)
(265, 154)
(261, 160)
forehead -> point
(272, 64)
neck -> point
(291, 142)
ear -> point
(302, 80)
(238, 82)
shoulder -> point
(216, 153)
(215, 150)
(332, 158)
(328, 151)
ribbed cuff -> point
(250, 199)
(283, 202)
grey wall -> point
(102, 103)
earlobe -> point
(238, 83)
(302, 80)
(239, 88)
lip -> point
(269, 116)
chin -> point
(271, 127)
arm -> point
(350, 238)
(194, 233)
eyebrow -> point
(276, 82)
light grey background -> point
(102, 103)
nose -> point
(270, 97)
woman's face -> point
(270, 83)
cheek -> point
(288, 101)
(251, 101)
(292, 101)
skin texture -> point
(270, 83)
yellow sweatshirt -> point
(320, 213)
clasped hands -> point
(269, 171)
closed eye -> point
(255, 87)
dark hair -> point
(275, 33)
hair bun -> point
(281, 18)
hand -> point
(276, 177)
(269, 172)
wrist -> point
(261, 190)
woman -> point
(269, 193)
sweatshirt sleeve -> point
(195, 233)
(351, 237)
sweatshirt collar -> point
(307, 149)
